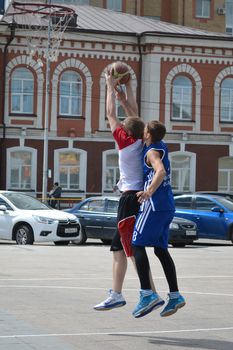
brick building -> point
(182, 76)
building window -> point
(229, 16)
(225, 174)
(111, 172)
(182, 171)
(70, 169)
(75, 2)
(115, 5)
(203, 8)
(227, 100)
(70, 94)
(22, 91)
(21, 168)
(182, 99)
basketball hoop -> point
(43, 26)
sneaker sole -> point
(107, 308)
(155, 307)
(172, 312)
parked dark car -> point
(97, 216)
(213, 214)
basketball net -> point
(43, 26)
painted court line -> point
(104, 278)
(96, 288)
(116, 333)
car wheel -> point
(62, 242)
(231, 234)
(178, 245)
(24, 235)
(81, 239)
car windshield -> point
(225, 202)
(25, 202)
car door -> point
(211, 224)
(6, 221)
(110, 219)
(91, 216)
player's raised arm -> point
(111, 101)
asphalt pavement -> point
(47, 295)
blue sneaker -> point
(147, 304)
(172, 306)
(113, 301)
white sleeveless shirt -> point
(130, 161)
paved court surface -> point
(47, 293)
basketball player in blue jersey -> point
(152, 225)
(128, 136)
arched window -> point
(227, 100)
(70, 94)
(225, 174)
(21, 168)
(183, 171)
(22, 91)
(70, 169)
(181, 98)
(111, 172)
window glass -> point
(182, 98)
(2, 202)
(225, 174)
(227, 100)
(180, 173)
(69, 170)
(204, 204)
(183, 202)
(96, 205)
(21, 170)
(111, 172)
(203, 8)
(70, 94)
(22, 91)
(229, 16)
(112, 206)
(115, 5)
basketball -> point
(121, 70)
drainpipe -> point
(12, 27)
(139, 95)
(9, 40)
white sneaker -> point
(113, 301)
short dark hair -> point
(136, 126)
(157, 130)
(56, 183)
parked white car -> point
(25, 220)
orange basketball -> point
(121, 70)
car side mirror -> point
(3, 208)
(217, 210)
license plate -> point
(191, 233)
(71, 229)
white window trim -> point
(104, 162)
(83, 166)
(21, 94)
(226, 72)
(79, 66)
(22, 60)
(192, 156)
(202, 15)
(227, 170)
(33, 152)
(70, 97)
(190, 71)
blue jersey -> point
(162, 198)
